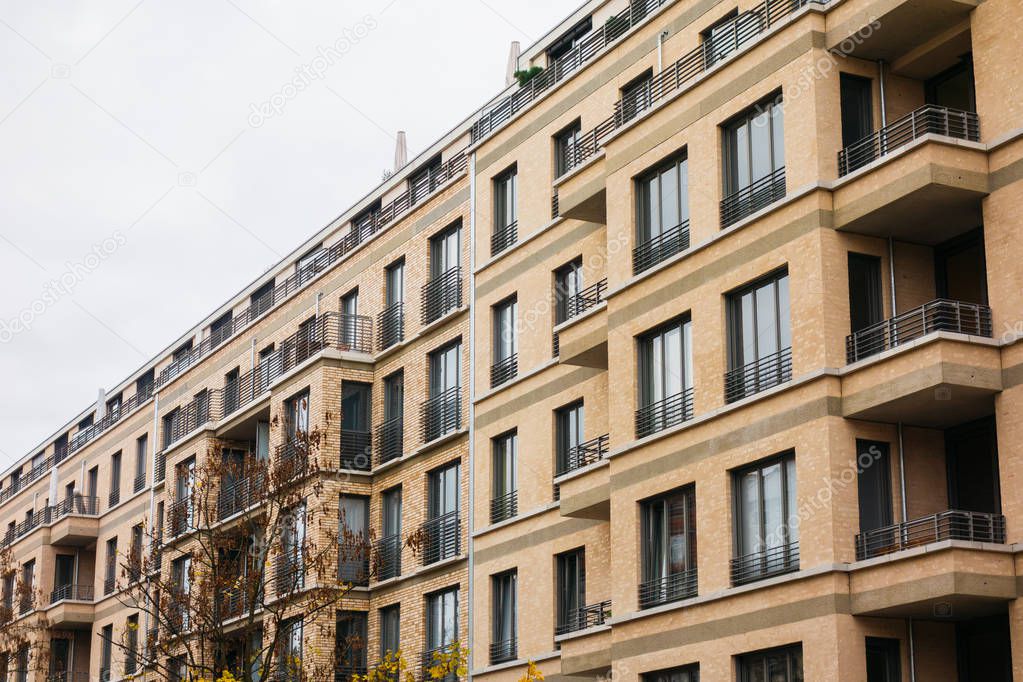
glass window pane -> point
(669, 198)
(673, 361)
(749, 513)
(767, 321)
(760, 146)
(784, 313)
(778, 135)
(774, 507)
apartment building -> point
(693, 357)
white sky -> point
(127, 130)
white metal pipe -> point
(472, 408)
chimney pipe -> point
(513, 62)
(400, 152)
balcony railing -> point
(139, 483)
(750, 199)
(586, 299)
(589, 616)
(504, 237)
(947, 525)
(353, 562)
(234, 602)
(441, 295)
(941, 315)
(112, 416)
(387, 557)
(585, 454)
(180, 517)
(660, 248)
(327, 258)
(293, 459)
(110, 576)
(555, 204)
(505, 650)
(504, 507)
(759, 375)
(289, 575)
(441, 414)
(114, 498)
(504, 371)
(670, 588)
(391, 326)
(236, 496)
(586, 50)
(929, 119)
(442, 538)
(78, 505)
(739, 33)
(765, 563)
(67, 676)
(160, 471)
(71, 593)
(390, 439)
(664, 414)
(356, 450)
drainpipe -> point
(472, 407)
(154, 449)
(882, 85)
(912, 654)
(905, 517)
(660, 49)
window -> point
(422, 183)
(760, 339)
(115, 479)
(390, 629)
(668, 544)
(354, 540)
(504, 638)
(728, 35)
(570, 591)
(388, 554)
(505, 365)
(135, 553)
(390, 434)
(754, 161)
(350, 642)
(131, 653)
(392, 319)
(442, 413)
(566, 143)
(568, 427)
(687, 673)
(261, 300)
(309, 264)
(182, 352)
(356, 403)
(85, 423)
(442, 530)
(290, 573)
(635, 97)
(441, 621)
(567, 42)
(171, 423)
(349, 321)
(221, 328)
(297, 415)
(114, 406)
(883, 660)
(777, 665)
(665, 377)
(183, 511)
(141, 453)
(662, 214)
(504, 493)
(144, 384)
(106, 647)
(110, 576)
(28, 583)
(445, 251)
(363, 224)
(568, 282)
(289, 657)
(180, 578)
(443, 293)
(765, 499)
(506, 189)
(63, 577)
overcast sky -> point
(141, 173)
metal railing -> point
(113, 416)
(670, 588)
(504, 237)
(730, 38)
(765, 563)
(71, 593)
(180, 517)
(139, 483)
(585, 454)
(441, 414)
(390, 439)
(589, 616)
(356, 450)
(327, 258)
(664, 414)
(750, 199)
(110, 575)
(660, 248)
(505, 650)
(587, 49)
(391, 326)
(293, 459)
(353, 562)
(759, 375)
(234, 602)
(160, 471)
(441, 295)
(555, 204)
(236, 496)
(941, 315)
(67, 676)
(586, 299)
(504, 507)
(442, 538)
(929, 119)
(289, 574)
(504, 371)
(114, 498)
(387, 557)
(951, 524)
(78, 505)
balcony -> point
(669, 243)
(664, 414)
(506, 650)
(387, 557)
(579, 303)
(113, 416)
(390, 440)
(441, 295)
(180, 517)
(760, 375)
(584, 618)
(582, 192)
(75, 521)
(160, 471)
(671, 588)
(441, 414)
(504, 371)
(947, 525)
(764, 564)
(353, 562)
(748, 200)
(504, 237)
(71, 593)
(442, 538)
(582, 340)
(356, 450)
(235, 496)
(585, 492)
(289, 575)
(504, 507)
(940, 315)
(585, 454)
(391, 326)
(139, 483)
